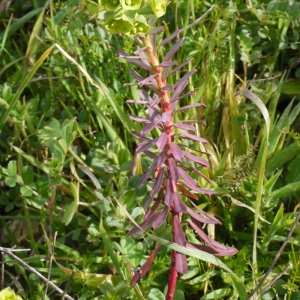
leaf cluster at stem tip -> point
(127, 17)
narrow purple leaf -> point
(173, 170)
(140, 137)
(162, 158)
(192, 121)
(138, 42)
(222, 250)
(200, 218)
(138, 119)
(144, 268)
(181, 263)
(136, 75)
(169, 193)
(185, 77)
(149, 80)
(147, 174)
(139, 50)
(153, 41)
(161, 218)
(155, 206)
(193, 137)
(154, 102)
(170, 37)
(196, 159)
(228, 252)
(137, 101)
(144, 96)
(205, 214)
(184, 127)
(177, 153)
(185, 95)
(192, 184)
(178, 90)
(134, 60)
(168, 64)
(179, 206)
(143, 225)
(146, 146)
(150, 154)
(168, 87)
(188, 180)
(166, 116)
(180, 66)
(179, 237)
(161, 142)
(165, 73)
(139, 78)
(158, 182)
(149, 127)
(173, 50)
(190, 106)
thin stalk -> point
(173, 278)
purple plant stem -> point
(169, 129)
(172, 278)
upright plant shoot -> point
(173, 191)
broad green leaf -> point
(294, 170)
(156, 294)
(131, 4)
(291, 87)
(12, 168)
(282, 157)
(92, 8)
(283, 192)
(117, 25)
(283, 125)
(273, 228)
(26, 191)
(27, 175)
(270, 183)
(132, 250)
(217, 294)
(67, 250)
(110, 250)
(71, 208)
(9, 294)
(110, 5)
(158, 7)
(69, 131)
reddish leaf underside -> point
(144, 268)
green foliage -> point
(67, 155)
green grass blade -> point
(260, 183)
(127, 123)
(110, 250)
(282, 157)
(20, 22)
(23, 86)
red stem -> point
(172, 278)
(173, 273)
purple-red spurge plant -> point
(171, 182)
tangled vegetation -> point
(139, 164)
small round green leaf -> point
(26, 191)
(27, 175)
(12, 168)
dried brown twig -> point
(9, 251)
